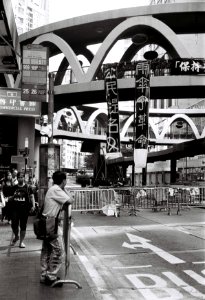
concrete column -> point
(173, 170)
(144, 176)
(36, 156)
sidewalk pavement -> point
(20, 268)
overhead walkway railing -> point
(158, 67)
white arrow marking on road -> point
(143, 243)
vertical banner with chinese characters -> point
(113, 131)
(34, 83)
(142, 92)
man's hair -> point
(20, 174)
(58, 177)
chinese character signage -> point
(142, 92)
(34, 84)
(113, 131)
(187, 66)
(11, 104)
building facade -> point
(30, 14)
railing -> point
(158, 67)
(92, 199)
(132, 199)
(161, 198)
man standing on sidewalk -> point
(52, 252)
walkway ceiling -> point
(169, 89)
(94, 28)
(9, 47)
(186, 149)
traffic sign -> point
(34, 73)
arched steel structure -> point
(158, 136)
(168, 37)
(71, 37)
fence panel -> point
(132, 199)
(87, 200)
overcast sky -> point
(65, 9)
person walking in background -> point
(52, 252)
(32, 181)
(22, 203)
(14, 177)
(7, 190)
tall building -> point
(30, 14)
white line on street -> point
(180, 283)
(132, 267)
(93, 273)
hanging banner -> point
(189, 66)
(142, 92)
(113, 130)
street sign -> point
(17, 159)
(34, 85)
(11, 104)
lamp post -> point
(26, 153)
(179, 125)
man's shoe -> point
(14, 241)
(42, 279)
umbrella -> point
(66, 236)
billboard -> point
(34, 82)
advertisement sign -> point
(142, 92)
(113, 130)
(34, 85)
(11, 104)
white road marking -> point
(152, 290)
(93, 273)
(198, 262)
(143, 243)
(195, 276)
(132, 267)
(182, 284)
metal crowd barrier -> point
(133, 199)
(185, 198)
(161, 198)
(93, 199)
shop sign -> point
(17, 159)
(11, 104)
